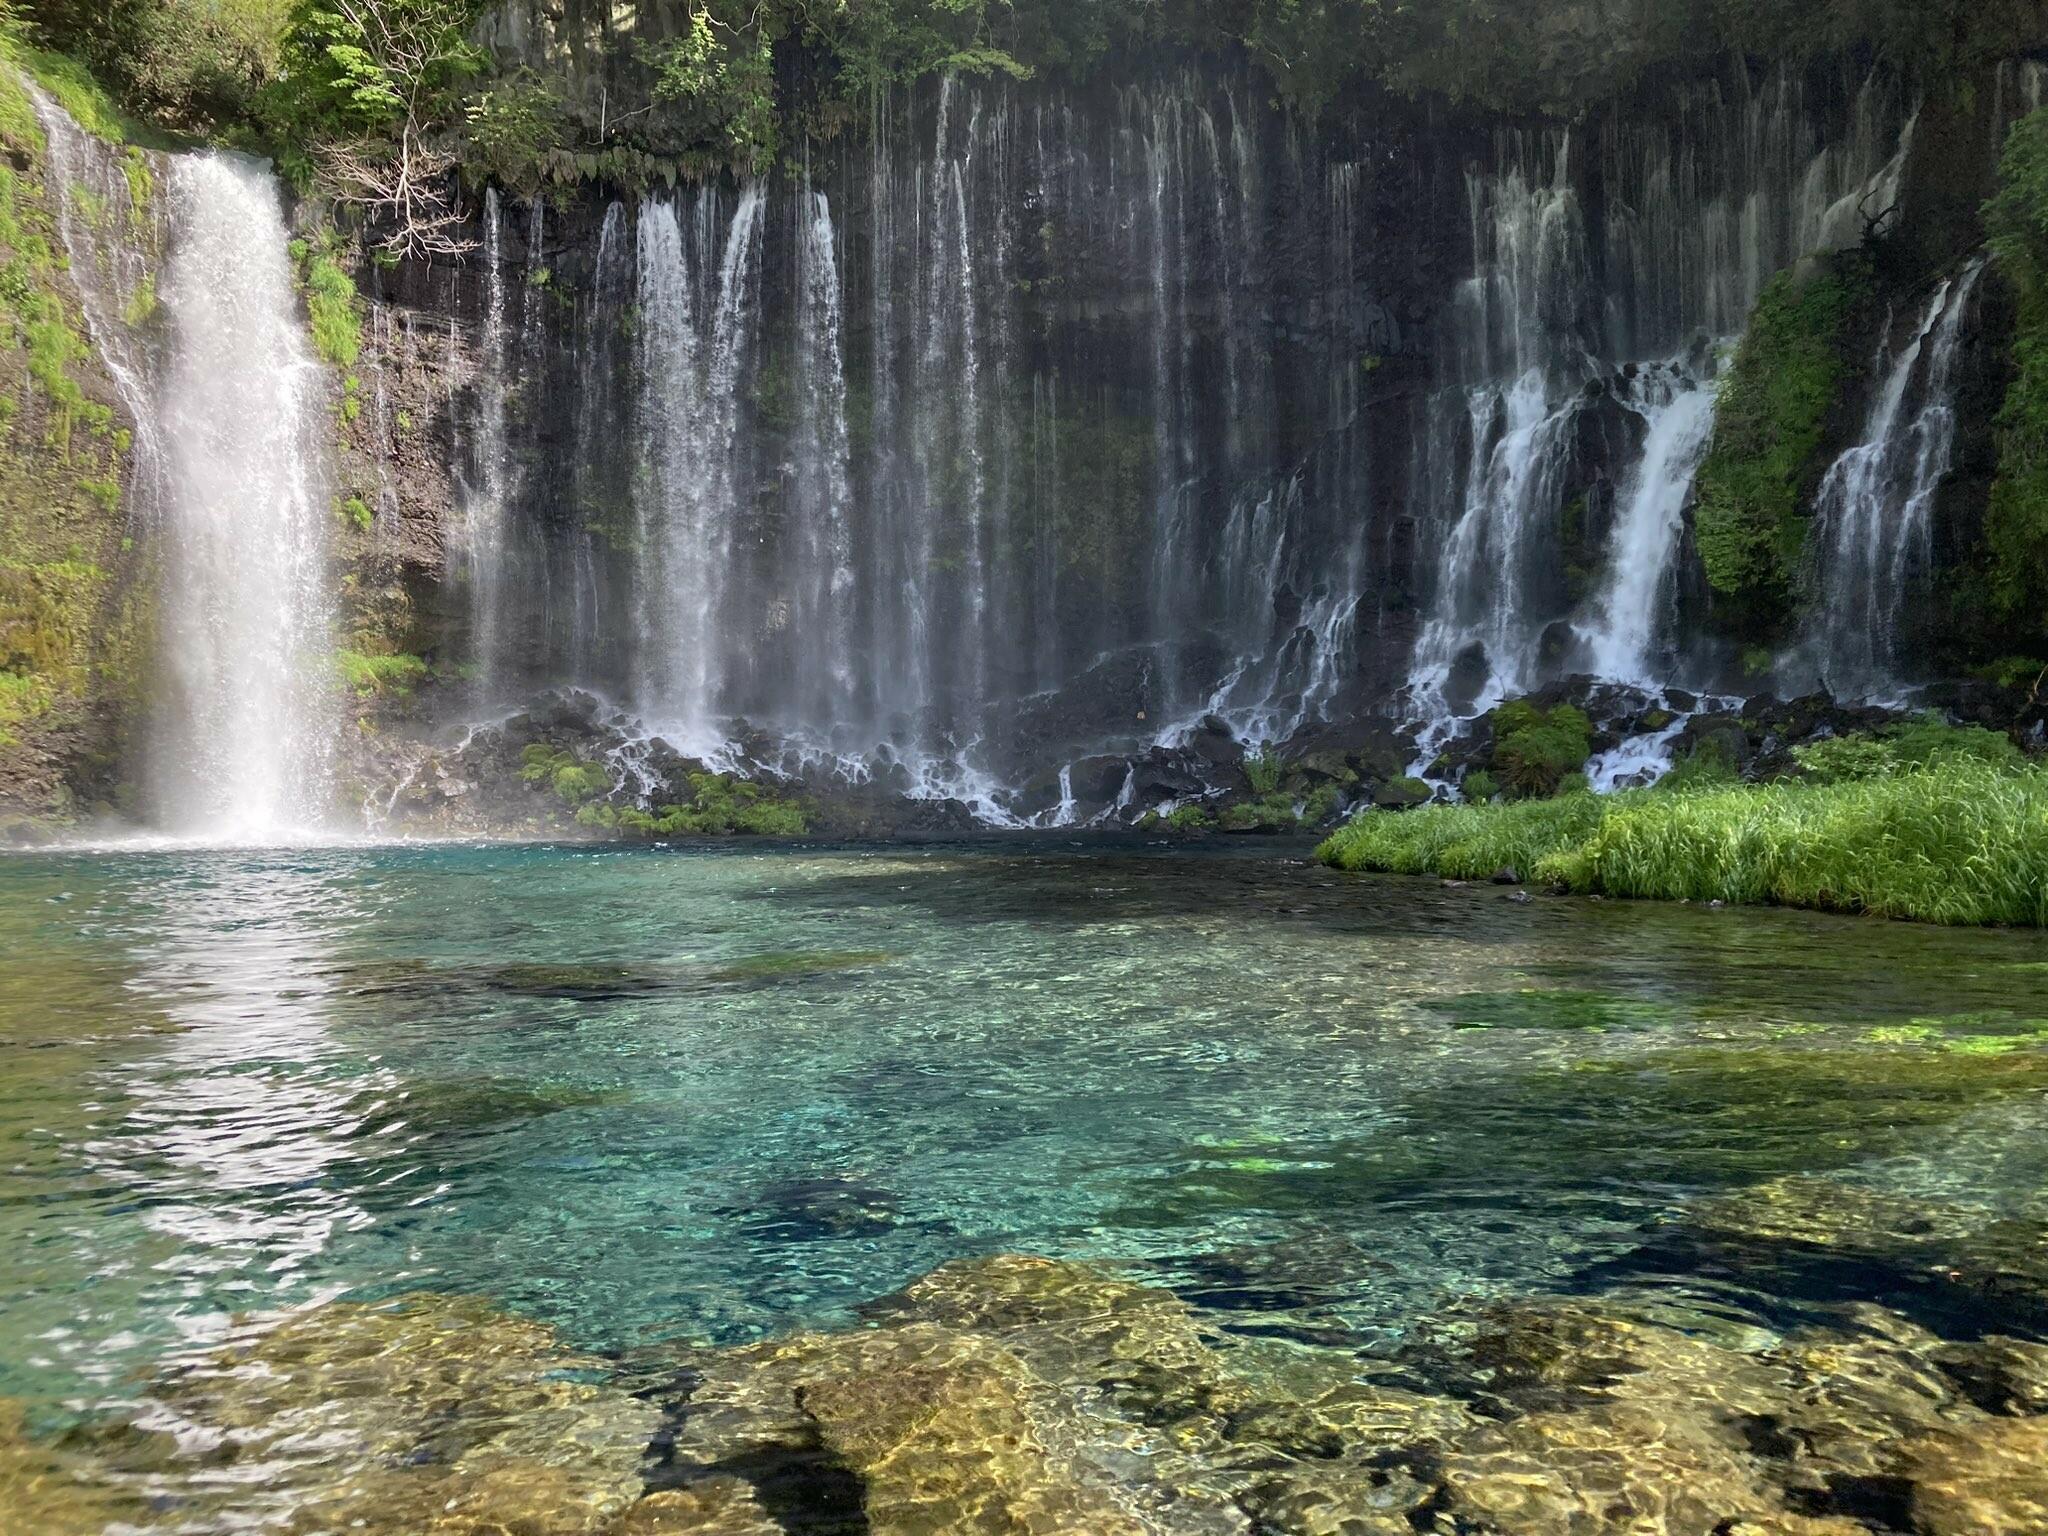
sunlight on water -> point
(676, 1100)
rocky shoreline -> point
(1807, 1357)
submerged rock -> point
(1989, 1479)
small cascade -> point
(1677, 408)
(1873, 515)
(111, 234)
(245, 743)
(487, 481)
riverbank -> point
(1956, 839)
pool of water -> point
(694, 1097)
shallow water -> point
(709, 1095)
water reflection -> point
(243, 1141)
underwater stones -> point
(1617, 1469)
(717, 1506)
(1988, 1479)
(951, 1446)
(433, 1414)
(1998, 1374)
(1335, 1500)
(48, 1488)
(577, 983)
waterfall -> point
(1572, 325)
(822, 573)
(1872, 518)
(229, 479)
(245, 742)
(487, 485)
(1678, 411)
(697, 324)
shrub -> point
(1480, 787)
(1769, 427)
(1535, 751)
(1262, 768)
(1925, 742)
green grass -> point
(1953, 840)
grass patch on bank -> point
(1954, 839)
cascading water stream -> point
(1694, 222)
(244, 749)
(229, 480)
(1622, 644)
(1873, 514)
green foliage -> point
(720, 805)
(1535, 751)
(1954, 839)
(572, 780)
(357, 514)
(1480, 787)
(1705, 767)
(1263, 769)
(77, 93)
(1769, 429)
(511, 126)
(2015, 536)
(1902, 748)
(1269, 813)
(331, 306)
(1182, 818)
(368, 676)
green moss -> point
(1769, 430)
(1535, 751)
(367, 676)
(142, 303)
(357, 514)
(332, 310)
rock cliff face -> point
(75, 603)
(1047, 449)
(1033, 426)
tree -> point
(380, 81)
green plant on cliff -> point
(720, 805)
(331, 306)
(2015, 547)
(1535, 751)
(1769, 426)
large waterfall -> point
(1037, 427)
(245, 746)
(211, 355)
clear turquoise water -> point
(782, 1082)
